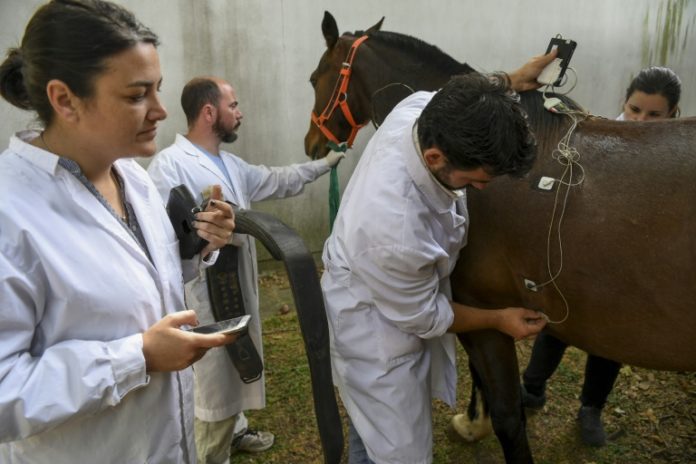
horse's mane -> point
(425, 52)
(542, 120)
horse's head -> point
(337, 114)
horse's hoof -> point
(471, 431)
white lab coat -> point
(386, 285)
(76, 293)
(220, 393)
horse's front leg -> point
(495, 375)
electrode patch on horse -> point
(546, 183)
(530, 285)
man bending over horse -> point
(396, 239)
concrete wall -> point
(268, 49)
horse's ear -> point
(330, 29)
(376, 27)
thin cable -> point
(372, 100)
(568, 156)
(552, 88)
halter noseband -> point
(339, 98)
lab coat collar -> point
(441, 197)
(139, 195)
(42, 159)
(48, 162)
(192, 150)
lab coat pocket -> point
(355, 334)
(396, 344)
(362, 333)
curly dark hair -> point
(477, 121)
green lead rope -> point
(334, 190)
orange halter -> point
(339, 98)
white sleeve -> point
(73, 378)
(404, 285)
(279, 182)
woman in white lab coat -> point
(93, 364)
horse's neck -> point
(415, 75)
(419, 75)
(394, 74)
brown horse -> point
(611, 259)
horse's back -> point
(628, 252)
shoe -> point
(532, 401)
(591, 428)
(252, 441)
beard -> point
(226, 135)
(442, 176)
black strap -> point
(182, 209)
(286, 245)
(226, 302)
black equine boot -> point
(533, 397)
(591, 428)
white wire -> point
(566, 155)
(551, 87)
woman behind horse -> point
(652, 95)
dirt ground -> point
(650, 416)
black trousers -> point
(600, 373)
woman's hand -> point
(216, 223)
(168, 348)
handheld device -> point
(229, 326)
(553, 72)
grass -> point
(650, 416)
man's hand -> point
(521, 323)
(517, 322)
(216, 223)
(524, 78)
(168, 348)
(334, 157)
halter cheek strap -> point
(339, 98)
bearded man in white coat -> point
(386, 284)
(196, 160)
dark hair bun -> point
(12, 80)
